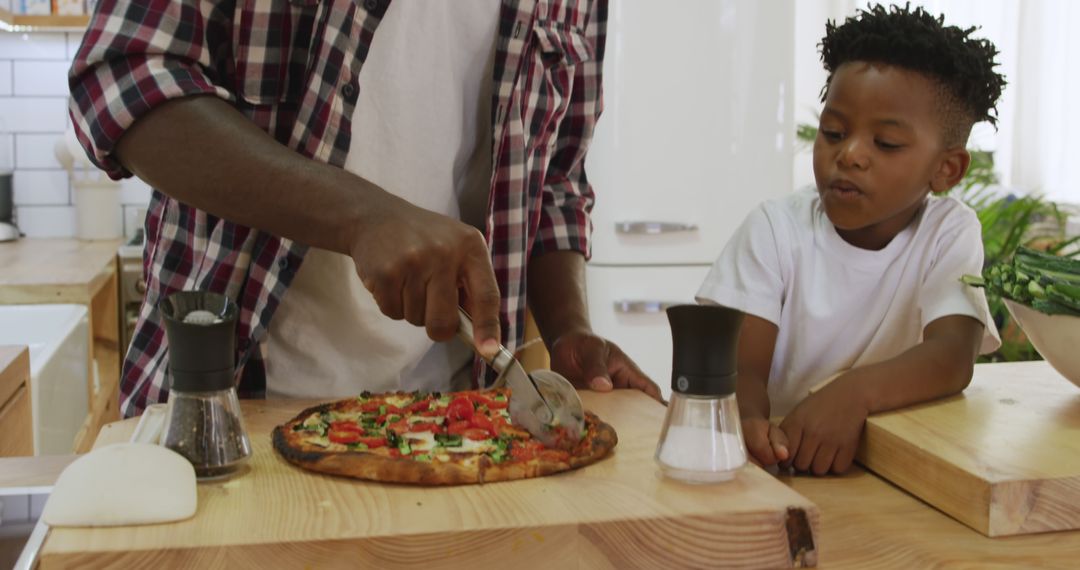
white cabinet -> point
(697, 130)
(627, 305)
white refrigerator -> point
(697, 130)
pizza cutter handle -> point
(502, 360)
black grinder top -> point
(704, 345)
(202, 351)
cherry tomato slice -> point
(420, 406)
(459, 409)
(476, 434)
(483, 422)
(425, 426)
(458, 428)
(343, 425)
(341, 436)
(497, 405)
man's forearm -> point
(201, 151)
(557, 294)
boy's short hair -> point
(962, 66)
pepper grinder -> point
(202, 420)
(701, 441)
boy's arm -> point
(824, 428)
(764, 440)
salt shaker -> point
(203, 421)
(701, 441)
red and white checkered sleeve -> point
(568, 197)
(136, 55)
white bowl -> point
(1056, 337)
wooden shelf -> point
(10, 22)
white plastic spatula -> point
(119, 484)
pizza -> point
(430, 439)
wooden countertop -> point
(617, 513)
(868, 523)
(54, 270)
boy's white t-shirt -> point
(838, 306)
(421, 130)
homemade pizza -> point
(430, 439)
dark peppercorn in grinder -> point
(203, 421)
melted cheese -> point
(421, 441)
(470, 446)
(428, 419)
(399, 401)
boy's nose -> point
(852, 154)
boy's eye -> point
(888, 145)
(831, 135)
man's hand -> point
(824, 429)
(590, 361)
(765, 441)
(414, 262)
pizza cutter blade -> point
(544, 403)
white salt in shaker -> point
(701, 441)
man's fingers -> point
(441, 316)
(414, 299)
(624, 373)
(594, 365)
(483, 298)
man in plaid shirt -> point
(368, 144)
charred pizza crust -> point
(459, 468)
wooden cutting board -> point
(1003, 457)
(618, 513)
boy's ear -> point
(951, 170)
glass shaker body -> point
(208, 429)
(701, 441)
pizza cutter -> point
(543, 402)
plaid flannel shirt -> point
(292, 67)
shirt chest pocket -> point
(271, 47)
(551, 70)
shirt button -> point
(349, 91)
(283, 263)
(371, 5)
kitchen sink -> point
(58, 337)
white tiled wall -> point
(33, 115)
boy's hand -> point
(765, 441)
(824, 429)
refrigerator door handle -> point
(651, 228)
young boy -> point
(860, 279)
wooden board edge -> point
(944, 485)
(1033, 506)
(765, 539)
(517, 548)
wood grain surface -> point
(870, 524)
(1003, 457)
(618, 513)
(16, 412)
(55, 270)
